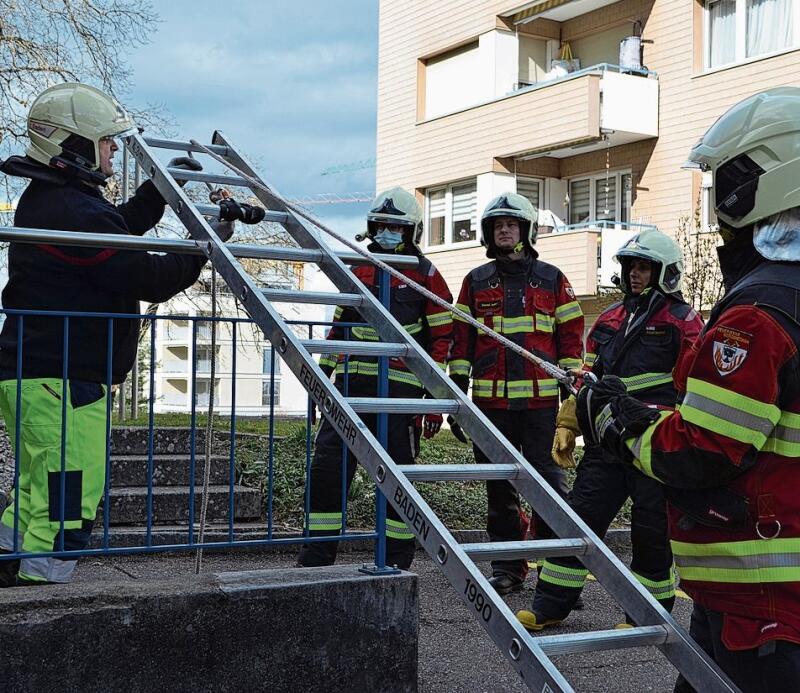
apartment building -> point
(262, 383)
(478, 97)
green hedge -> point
(460, 505)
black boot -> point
(504, 583)
(8, 571)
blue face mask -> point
(388, 240)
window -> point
(579, 201)
(270, 394)
(530, 188)
(736, 30)
(604, 197)
(201, 393)
(452, 214)
(203, 359)
(268, 361)
(450, 82)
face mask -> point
(388, 240)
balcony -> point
(589, 109)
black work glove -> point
(223, 229)
(187, 163)
(231, 210)
(608, 416)
(456, 430)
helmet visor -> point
(735, 186)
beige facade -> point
(601, 144)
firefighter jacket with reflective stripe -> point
(731, 452)
(532, 304)
(639, 340)
(429, 324)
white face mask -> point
(388, 240)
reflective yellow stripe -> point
(482, 388)
(567, 312)
(519, 325)
(396, 529)
(785, 438)
(754, 561)
(660, 589)
(728, 413)
(439, 319)
(590, 359)
(328, 360)
(338, 312)
(368, 368)
(519, 389)
(563, 576)
(325, 521)
(464, 307)
(641, 447)
(545, 323)
(548, 387)
(368, 334)
(643, 381)
(570, 363)
(459, 367)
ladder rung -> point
(510, 550)
(332, 346)
(397, 405)
(213, 211)
(459, 472)
(573, 643)
(185, 146)
(182, 174)
(321, 297)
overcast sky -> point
(293, 84)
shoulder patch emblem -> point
(730, 349)
(570, 292)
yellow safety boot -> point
(535, 622)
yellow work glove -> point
(566, 431)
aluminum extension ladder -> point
(528, 654)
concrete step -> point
(134, 440)
(168, 470)
(135, 535)
(128, 505)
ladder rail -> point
(520, 648)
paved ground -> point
(455, 655)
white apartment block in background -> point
(181, 342)
(478, 97)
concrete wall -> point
(322, 630)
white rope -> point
(552, 370)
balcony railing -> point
(591, 70)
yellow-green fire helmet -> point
(396, 206)
(66, 123)
(509, 205)
(753, 153)
(664, 254)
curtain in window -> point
(605, 198)
(770, 26)
(722, 32)
(529, 188)
(436, 203)
(579, 201)
(465, 208)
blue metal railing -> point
(149, 521)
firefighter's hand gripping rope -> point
(564, 377)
